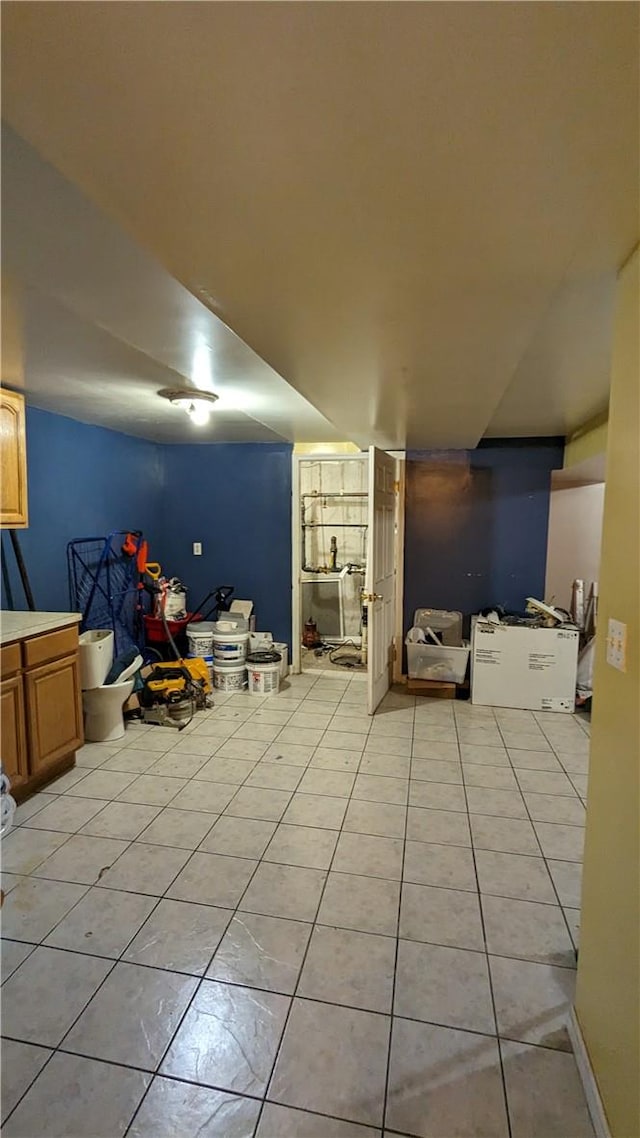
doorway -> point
(345, 538)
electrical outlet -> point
(617, 645)
(197, 549)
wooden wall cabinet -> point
(14, 512)
(41, 709)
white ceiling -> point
(105, 327)
(413, 212)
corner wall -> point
(236, 499)
(84, 481)
(575, 537)
(607, 998)
(476, 525)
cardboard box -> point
(529, 668)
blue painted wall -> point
(236, 500)
(476, 521)
(84, 481)
(476, 525)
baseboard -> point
(587, 1078)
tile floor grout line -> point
(191, 850)
(155, 1072)
(216, 815)
(387, 1081)
(488, 966)
(201, 980)
(550, 875)
(31, 872)
(86, 1005)
(294, 994)
(54, 1050)
(261, 860)
(253, 913)
(194, 997)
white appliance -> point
(529, 668)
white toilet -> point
(103, 703)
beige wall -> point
(575, 536)
(589, 440)
(607, 998)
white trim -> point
(296, 618)
(587, 1078)
(399, 613)
(296, 551)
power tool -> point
(174, 691)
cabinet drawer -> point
(10, 660)
(40, 649)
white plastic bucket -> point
(264, 674)
(261, 642)
(230, 647)
(230, 676)
(283, 649)
(96, 657)
(200, 641)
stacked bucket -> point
(224, 645)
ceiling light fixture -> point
(197, 404)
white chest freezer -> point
(529, 668)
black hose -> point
(352, 660)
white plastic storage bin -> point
(448, 625)
(433, 662)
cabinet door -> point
(14, 742)
(54, 711)
(13, 455)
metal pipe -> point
(22, 569)
(8, 592)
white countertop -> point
(19, 625)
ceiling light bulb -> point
(196, 404)
(198, 412)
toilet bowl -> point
(103, 705)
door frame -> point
(296, 564)
(398, 639)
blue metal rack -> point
(103, 586)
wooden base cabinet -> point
(54, 711)
(13, 733)
(41, 709)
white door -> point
(381, 574)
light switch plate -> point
(617, 645)
(197, 549)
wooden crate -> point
(437, 689)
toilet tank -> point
(96, 657)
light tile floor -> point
(292, 921)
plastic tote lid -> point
(436, 618)
(264, 658)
